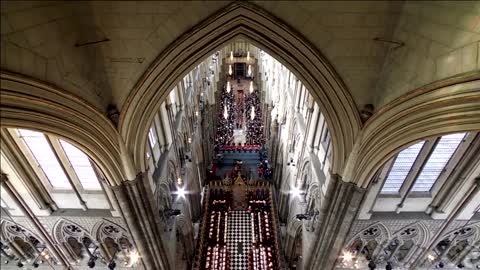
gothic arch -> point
(306, 173)
(103, 229)
(8, 234)
(371, 238)
(71, 236)
(111, 238)
(294, 234)
(184, 224)
(248, 21)
(294, 227)
(434, 110)
(405, 244)
(470, 232)
(186, 233)
(30, 104)
(20, 243)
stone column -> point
(272, 139)
(306, 138)
(313, 128)
(135, 199)
(337, 213)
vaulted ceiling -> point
(40, 39)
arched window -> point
(48, 153)
(418, 167)
(45, 157)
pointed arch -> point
(376, 231)
(448, 106)
(406, 242)
(422, 234)
(306, 173)
(184, 224)
(60, 230)
(100, 230)
(31, 104)
(248, 21)
(74, 238)
(294, 227)
(112, 237)
(9, 232)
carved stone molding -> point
(248, 21)
(30, 104)
(412, 118)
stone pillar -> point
(337, 213)
(313, 128)
(135, 199)
(283, 201)
(272, 139)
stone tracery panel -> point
(458, 247)
(22, 246)
(114, 241)
(76, 240)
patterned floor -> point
(239, 239)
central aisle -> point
(239, 239)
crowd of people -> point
(239, 109)
(225, 126)
(264, 170)
(254, 134)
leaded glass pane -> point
(401, 167)
(82, 166)
(48, 162)
(437, 161)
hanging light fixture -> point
(249, 72)
(228, 87)
(251, 87)
(248, 56)
(252, 113)
(225, 113)
(229, 69)
(231, 55)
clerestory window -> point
(422, 172)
